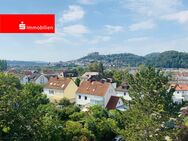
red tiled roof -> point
(184, 74)
(49, 72)
(93, 88)
(180, 87)
(27, 73)
(58, 83)
(112, 103)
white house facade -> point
(87, 100)
(58, 88)
(181, 92)
(122, 91)
(94, 93)
(24, 79)
(41, 80)
(34, 78)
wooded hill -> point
(167, 59)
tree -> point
(100, 124)
(8, 80)
(25, 112)
(36, 92)
(152, 107)
(67, 109)
(80, 70)
(119, 76)
(101, 68)
(32, 88)
(76, 132)
(183, 133)
(96, 67)
(3, 65)
(77, 81)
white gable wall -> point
(24, 80)
(109, 93)
(41, 80)
(120, 103)
(125, 95)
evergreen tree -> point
(3, 65)
(152, 109)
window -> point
(178, 92)
(42, 80)
(125, 94)
(51, 92)
(79, 96)
(85, 97)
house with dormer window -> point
(58, 88)
(96, 93)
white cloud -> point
(153, 8)
(87, 1)
(137, 39)
(99, 39)
(76, 29)
(142, 25)
(74, 13)
(113, 29)
(156, 10)
(181, 17)
(49, 40)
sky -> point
(106, 26)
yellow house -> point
(58, 88)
